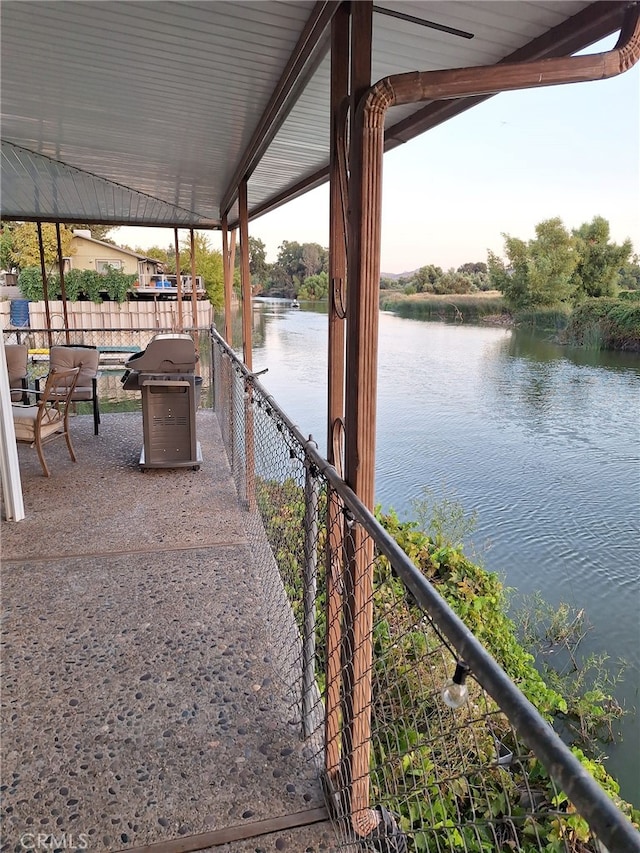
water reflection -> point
(525, 343)
(560, 392)
(541, 440)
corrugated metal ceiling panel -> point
(163, 97)
(70, 194)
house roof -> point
(78, 235)
(150, 113)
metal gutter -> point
(597, 21)
(491, 79)
(586, 27)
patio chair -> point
(48, 418)
(16, 357)
(87, 359)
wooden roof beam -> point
(302, 63)
(593, 23)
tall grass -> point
(605, 324)
(602, 323)
(465, 307)
(553, 319)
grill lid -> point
(165, 353)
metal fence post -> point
(229, 402)
(216, 370)
(249, 447)
(310, 581)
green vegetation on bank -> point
(598, 323)
(467, 278)
(559, 267)
(571, 283)
(578, 286)
(441, 807)
(606, 324)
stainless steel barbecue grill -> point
(164, 373)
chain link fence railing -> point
(423, 741)
(115, 346)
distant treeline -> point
(579, 285)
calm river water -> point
(541, 440)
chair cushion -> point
(16, 356)
(24, 423)
(83, 393)
(66, 357)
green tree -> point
(208, 265)
(539, 272)
(315, 259)
(258, 265)
(453, 282)
(25, 251)
(315, 286)
(599, 260)
(425, 279)
(154, 252)
(478, 273)
(288, 270)
(296, 262)
(554, 258)
(511, 281)
(473, 268)
(630, 274)
(390, 284)
(6, 244)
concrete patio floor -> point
(141, 699)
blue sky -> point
(521, 157)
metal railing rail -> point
(301, 476)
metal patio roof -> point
(150, 113)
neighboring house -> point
(91, 254)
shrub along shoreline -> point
(596, 323)
(404, 659)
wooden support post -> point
(63, 291)
(227, 270)
(245, 276)
(194, 295)
(250, 448)
(229, 384)
(247, 318)
(178, 280)
(45, 286)
(360, 423)
(335, 411)
(232, 261)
